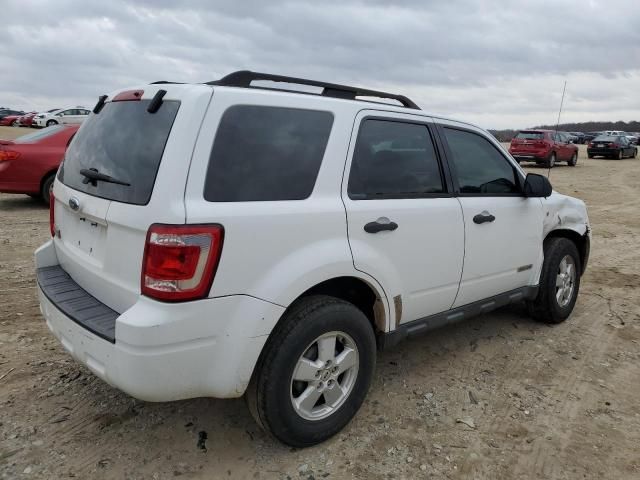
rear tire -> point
(559, 282)
(573, 160)
(551, 161)
(47, 185)
(619, 156)
(276, 400)
(589, 155)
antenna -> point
(558, 121)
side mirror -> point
(537, 186)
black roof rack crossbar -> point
(243, 78)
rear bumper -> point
(605, 152)
(163, 352)
(530, 156)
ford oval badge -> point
(74, 203)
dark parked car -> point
(632, 137)
(544, 147)
(29, 163)
(591, 135)
(611, 147)
(579, 136)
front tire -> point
(314, 372)
(559, 282)
(51, 122)
(15, 123)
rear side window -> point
(530, 135)
(478, 166)
(266, 153)
(393, 160)
(125, 142)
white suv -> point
(224, 239)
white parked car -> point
(217, 240)
(62, 116)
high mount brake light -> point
(180, 261)
(128, 95)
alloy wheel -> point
(324, 376)
(565, 280)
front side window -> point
(266, 153)
(393, 160)
(478, 165)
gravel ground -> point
(499, 397)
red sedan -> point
(10, 120)
(27, 119)
(29, 163)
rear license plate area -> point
(85, 235)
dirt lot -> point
(539, 401)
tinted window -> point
(479, 166)
(266, 153)
(393, 160)
(123, 141)
(530, 135)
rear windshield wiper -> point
(92, 176)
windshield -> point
(123, 141)
(530, 135)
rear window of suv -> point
(265, 153)
(530, 136)
(125, 142)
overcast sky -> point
(497, 63)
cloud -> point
(497, 63)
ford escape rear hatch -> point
(104, 197)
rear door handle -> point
(380, 225)
(483, 217)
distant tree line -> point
(507, 134)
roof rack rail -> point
(243, 78)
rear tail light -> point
(613, 145)
(52, 214)
(6, 155)
(590, 144)
(180, 261)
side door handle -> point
(483, 217)
(380, 225)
